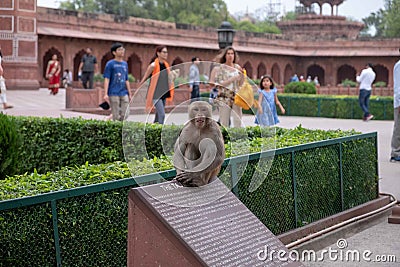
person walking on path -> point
(67, 78)
(395, 144)
(194, 79)
(53, 74)
(227, 77)
(3, 96)
(161, 89)
(366, 78)
(87, 68)
(267, 102)
(117, 89)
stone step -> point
(396, 211)
(395, 217)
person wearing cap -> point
(366, 78)
(117, 91)
(395, 144)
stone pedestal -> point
(19, 43)
(171, 225)
(88, 100)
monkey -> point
(199, 150)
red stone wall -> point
(19, 43)
(277, 54)
(68, 33)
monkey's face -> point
(199, 113)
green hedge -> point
(9, 145)
(300, 88)
(48, 144)
(30, 184)
(330, 106)
(340, 107)
(93, 226)
(51, 143)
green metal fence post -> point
(234, 179)
(56, 235)
(341, 175)
(376, 164)
(296, 215)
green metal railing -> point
(87, 226)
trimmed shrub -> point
(348, 82)
(341, 107)
(86, 174)
(98, 77)
(131, 78)
(380, 84)
(52, 143)
(9, 146)
(300, 88)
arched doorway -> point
(382, 74)
(261, 70)
(249, 69)
(108, 56)
(316, 71)
(288, 73)
(276, 73)
(47, 56)
(346, 72)
(182, 72)
(77, 61)
(177, 61)
(135, 66)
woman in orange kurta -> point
(53, 74)
(160, 88)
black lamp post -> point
(225, 35)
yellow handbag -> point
(244, 98)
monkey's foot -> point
(190, 179)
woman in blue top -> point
(267, 101)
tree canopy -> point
(211, 13)
(207, 13)
(385, 21)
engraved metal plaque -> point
(222, 232)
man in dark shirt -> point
(88, 67)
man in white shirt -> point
(194, 79)
(366, 78)
(395, 154)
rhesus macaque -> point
(199, 150)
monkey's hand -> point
(190, 179)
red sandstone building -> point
(315, 45)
